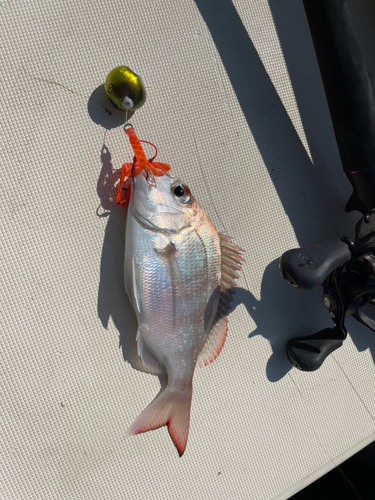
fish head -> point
(163, 203)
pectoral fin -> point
(168, 254)
(148, 360)
(135, 285)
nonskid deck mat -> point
(236, 106)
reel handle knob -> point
(307, 268)
(308, 353)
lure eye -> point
(181, 192)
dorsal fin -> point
(231, 261)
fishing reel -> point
(346, 271)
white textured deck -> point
(236, 107)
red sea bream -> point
(179, 275)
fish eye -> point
(181, 192)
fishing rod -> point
(345, 269)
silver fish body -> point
(174, 279)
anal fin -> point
(214, 342)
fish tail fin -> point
(170, 408)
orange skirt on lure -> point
(140, 163)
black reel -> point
(345, 270)
(347, 273)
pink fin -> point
(171, 408)
(214, 343)
(231, 262)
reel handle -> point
(307, 268)
(308, 353)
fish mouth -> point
(149, 177)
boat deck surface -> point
(236, 106)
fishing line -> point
(351, 484)
(211, 199)
(206, 184)
(200, 164)
(153, 145)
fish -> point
(179, 274)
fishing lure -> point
(140, 163)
